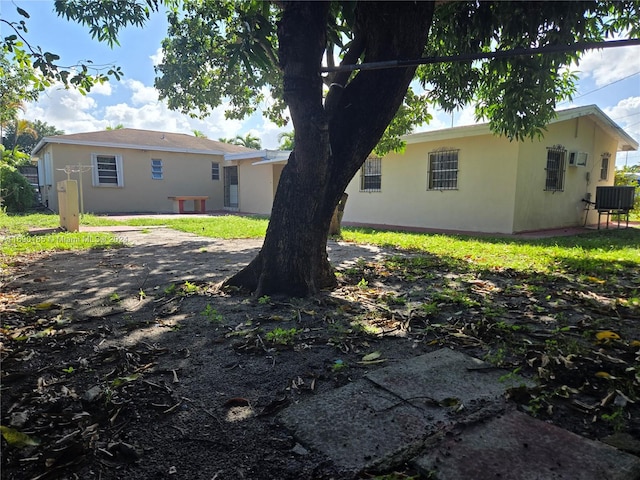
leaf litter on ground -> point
(78, 385)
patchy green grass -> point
(594, 254)
(227, 226)
(25, 244)
(14, 240)
(21, 223)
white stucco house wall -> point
(468, 179)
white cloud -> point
(624, 110)
(467, 116)
(626, 113)
(442, 119)
(102, 89)
(611, 64)
(216, 126)
(141, 94)
(67, 110)
(157, 57)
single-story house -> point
(462, 178)
(468, 179)
(130, 170)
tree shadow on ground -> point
(124, 363)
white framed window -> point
(156, 169)
(556, 159)
(443, 170)
(371, 175)
(604, 165)
(107, 170)
(215, 171)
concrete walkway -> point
(444, 413)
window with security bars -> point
(215, 171)
(556, 156)
(371, 175)
(443, 170)
(604, 166)
(107, 170)
(156, 169)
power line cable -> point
(600, 88)
(626, 116)
(576, 47)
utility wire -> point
(600, 88)
(626, 116)
(579, 46)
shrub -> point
(17, 195)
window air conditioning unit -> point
(578, 159)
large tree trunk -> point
(332, 139)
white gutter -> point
(268, 156)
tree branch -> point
(371, 98)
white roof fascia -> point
(157, 148)
(270, 156)
(271, 161)
(39, 146)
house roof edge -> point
(64, 141)
(625, 141)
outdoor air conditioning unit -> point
(617, 200)
(578, 159)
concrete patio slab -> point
(516, 446)
(446, 377)
(445, 412)
(384, 418)
(361, 425)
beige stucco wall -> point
(483, 201)
(538, 209)
(183, 174)
(256, 186)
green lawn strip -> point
(597, 253)
(226, 226)
(18, 224)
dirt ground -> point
(129, 363)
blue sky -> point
(608, 78)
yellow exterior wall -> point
(538, 209)
(256, 187)
(277, 171)
(483, 201)
(183, 174)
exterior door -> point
(231, 187)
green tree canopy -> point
(25, 135)
(249, 141)
(104, 19)
(14, 90)
(229, 50)
(287, 140)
